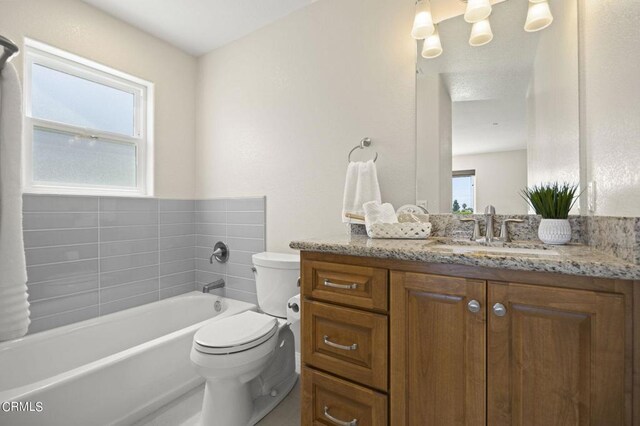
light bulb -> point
(423, 22)
(538, 17)
(432, 47)
(477, 10)
(481, 33)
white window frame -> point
(471, 174)
(39, 53)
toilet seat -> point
(234, 334)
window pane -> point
(61, 97)
(463, 194)
(65, 159)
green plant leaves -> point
(551, 200)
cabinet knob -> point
(474, 306)
(499, 310)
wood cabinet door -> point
(438, 350)
(555, 356)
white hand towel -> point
(14, 307)
(374, 212)
(361, 186)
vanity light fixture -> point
(423, 25)
(539, 16)
(477, 10)
(477, 13)
(481, 33)
(432, 47)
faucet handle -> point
(476, 227)
(504, 230)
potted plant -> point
(552, 201)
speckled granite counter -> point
(569, 259)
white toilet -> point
(248, 360)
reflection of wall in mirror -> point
(433, 150)
(553, 105)
(499, 177)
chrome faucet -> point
(212, 286)
(504, 229)
(489, 212)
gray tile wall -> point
(91, 256)
(240, 222)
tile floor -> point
(185, 411)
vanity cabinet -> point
(407, 343)
(513, 354)
(438, 355)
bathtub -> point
(113, 369)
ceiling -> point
(199, 26)
(487, 84)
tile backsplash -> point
(617, 236)
(91, 256)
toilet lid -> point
(236, 333)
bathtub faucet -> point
(212, 286)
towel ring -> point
(365, 142)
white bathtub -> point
(109, 370)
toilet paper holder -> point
(294, 307)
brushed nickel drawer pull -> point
(353, 422)
(328, 283)
(328, 342)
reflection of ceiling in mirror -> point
(474, 131)
(487, 84)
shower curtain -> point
(14, 306)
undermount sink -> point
(461, 249)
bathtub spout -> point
(212, 286)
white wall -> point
(76, 27)
(553, 145)
(610, 70)
(500, 176)
(434, 144)
(279, 110)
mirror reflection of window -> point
(463, 191)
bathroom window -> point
(88, 128)
(464, 191)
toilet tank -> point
(276, 281)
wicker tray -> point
(407, 230)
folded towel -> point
(14, 307)
(361, 186)
(374, 213)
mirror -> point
(496, 118)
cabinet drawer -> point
(327, 400)
(346, 342)
(356, 286)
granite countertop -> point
(573, 259)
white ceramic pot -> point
(554, 231)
